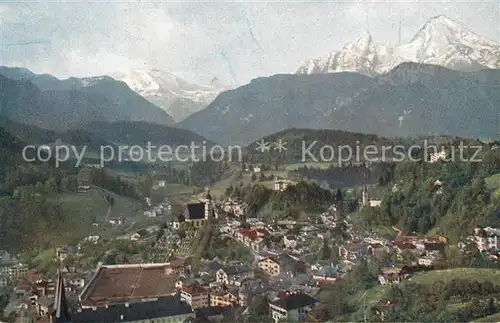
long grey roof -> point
(163, 307)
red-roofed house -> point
(34, 276)
(244, 235)
(250, 238)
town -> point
(274, 269)
(360, 185)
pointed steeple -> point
(338, 195)
(209, 208)
(364, 196)
(61, 309)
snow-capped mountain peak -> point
(176, 96)
(441, 31)
(147, 82)
(441, 21)
(441, 41)
(364, 40)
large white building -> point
(435, 157)
(294, 307)
(487, 238)
(11, 269)
(281, 184)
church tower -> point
(364, 196)
(209, 207)
(339, 203)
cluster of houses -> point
(156, 210)
(486, 240)
(275, 239)
(10, 269)
(159, 292)
(283, 270)
(234, 206)
(232, 286)
(160, 184)
(422, 250)
(35, 293)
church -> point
(196, 214)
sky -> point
(198, 41)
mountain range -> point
(176, 96)
(418, 88)
(411, 99)
(445, 81)
(51, 103)
(441, 41)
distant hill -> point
(54, 104)
(410, 100)
(103, 134)
(299, 143)
(139, 133)
(32, 135)
(27, 133)
(271, 104)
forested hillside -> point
(450, 198)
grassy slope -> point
(81, 208)
(174, 189)
(491, 318)
(473, 274)
(493, 182)
(374, 294)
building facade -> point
(294, 307)
(195, 295)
